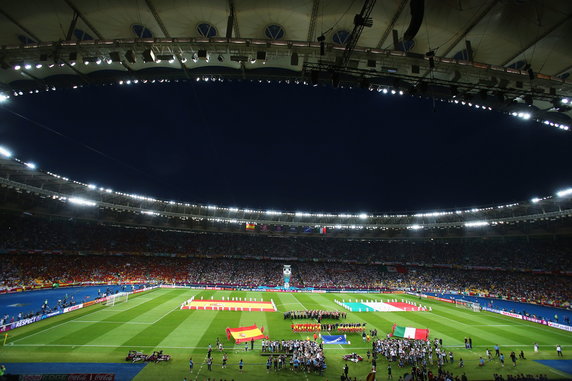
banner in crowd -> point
(410, 332)
(334, 339)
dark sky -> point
(287, 147)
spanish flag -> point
(242, 334)
(250, 226)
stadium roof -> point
(48, 188)
(509, 55)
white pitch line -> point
(110, 322)
(65, 322)
(176, 309)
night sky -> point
(287, 147)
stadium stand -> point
(40, 252)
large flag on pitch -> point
(334, 339)
(410, 332)
(242, 334)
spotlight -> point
(27, 66)
(115, 57)
(314, 77)
(148, 56)
(17, 67)
(528, 99)
(203, 55)
(130, 57)
(166, 57)
(72, 58)
(261, 55)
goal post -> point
(116, 298)
(473, 306)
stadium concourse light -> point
(4, 152)
(415, 227)
(564, 193)
(92, 186)
(475, 224)
(81, 201)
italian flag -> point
(410, 332)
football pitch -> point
(154, 321)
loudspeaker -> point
(294, 59)
(130, 56)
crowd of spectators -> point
(38, 252)
(37, 270)
(34, 233)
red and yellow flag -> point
(242, 334)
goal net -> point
(116, 298)
(468, 305)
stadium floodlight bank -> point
(116, 298)
(475, 307)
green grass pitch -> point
(152, 321)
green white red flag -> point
(410, 332)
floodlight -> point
(535, 200)
(203, 55)
(72, 58)
(17, 67)
(3, 98)
(148, 55)
(27, 66)
(30, 165)
(565, 100)
(261, 55)
(114, 56)
(4, 152)
(166, 57)
(81, 201)
(38, 66)
(474, 224)
(92, 186)
(415, 227)
(564, 193)
(363, 216)
(130, 56)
